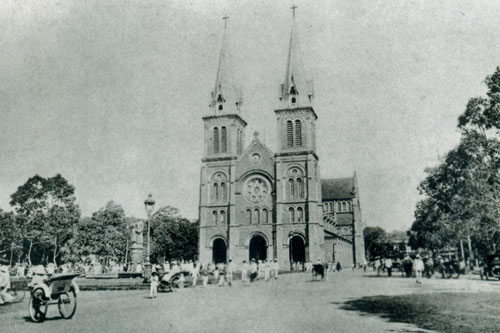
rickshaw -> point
(60, 289)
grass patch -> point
(443, 312)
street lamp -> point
(149, 204)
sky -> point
(110, 94)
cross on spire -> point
(293, 9)
(225, 18)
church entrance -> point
(219, 251)
(258, 248)
(297, 253)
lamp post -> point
(149, 204)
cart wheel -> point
(67, 304)
(38, 307)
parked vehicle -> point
(491, 267)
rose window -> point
(256, 189)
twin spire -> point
(295, 91)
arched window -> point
(223, 191)
(221, 107)
(216, 192)
(300, 215)
(298, 133)
(216, 140)
(291, 188)
(344, 206)
(265, 216)
(222, 217)
(291, 213)
(214, 215)
(294, 100)
(249, 214)
(339, 207)
(300, 188)
(349, 206)
(289, 134)
(256, 216)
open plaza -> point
(292, 303)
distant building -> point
(344, 241)
(260, 204)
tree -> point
(173, 237)
(46, 210)
(462, 194)
(104, 234)
(375, 238)
(10, 236)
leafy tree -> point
(104, 234)
(173, 237)
(375, 238)
(10, 236)
(462, 194)
(46, 210)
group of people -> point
(418, 267)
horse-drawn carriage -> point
(318, 270)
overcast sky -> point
(111, 93)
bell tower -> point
(298, 189)
(224, 134)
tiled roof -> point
(338, 188)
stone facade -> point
(260, 204)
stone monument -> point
(136, 248)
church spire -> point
(296, 90)
(226, 97)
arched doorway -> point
(297, 253)
(258, 248)
(219, 251)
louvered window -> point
(291, 212)
(223, 141)
(214, 214)
(249, 213)
(289, 134)
(239, 144)
(300, 215)
(300, 188)
(298, 133)
(216, 140)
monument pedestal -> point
(136, 256)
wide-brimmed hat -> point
(418, 256)
(40, 270)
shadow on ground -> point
(443, 312)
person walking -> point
(253, 270)
(418, 266)
(244, 271)
(275, 268)
(153, 288)
(388, 266)
(195, 272)
(229, 273)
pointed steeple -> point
(226, 98)
(296, 90)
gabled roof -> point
(338, 188)
(257, 145)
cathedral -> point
(260, 204)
